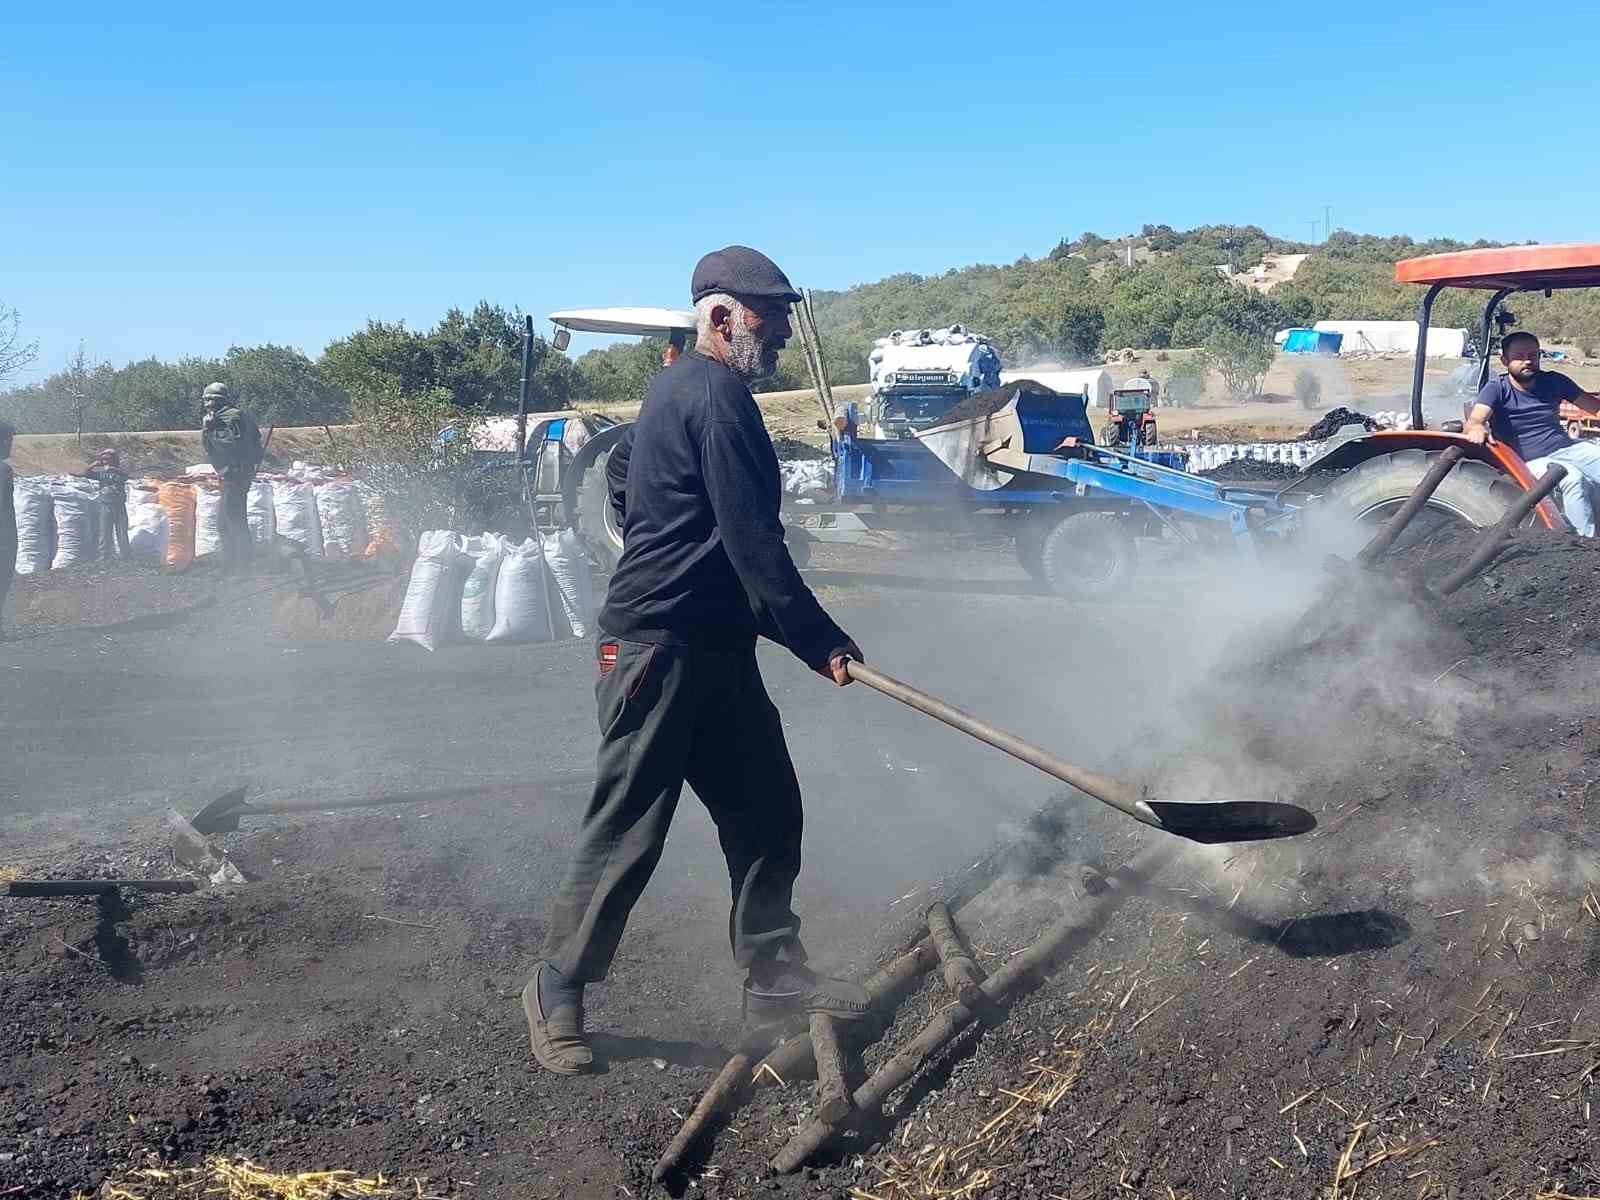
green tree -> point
(152, 394)
(476, 357)
(281, 386)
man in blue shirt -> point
(1522, 408)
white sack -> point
(207, 520)
(521, 604)
(77, 521)
(35, 526)
(343, 521)
(260, 512)
(568, 561)
(425, 616)
(478, 592)
(147, 525)
(294, 505)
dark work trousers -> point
(113, 529)
(237, 547)
(670, 715)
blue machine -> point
(1076, 509)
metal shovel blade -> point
(1232, 820)
(1225, 821)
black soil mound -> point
(794, 450)
(1406, 998)
(1335, 420)
(982, 404)
(1251, 470)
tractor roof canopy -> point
(1510, 268)
(646, 322)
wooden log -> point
(1020, 973)
(728, 1083)
(961, 973)
(884, 988)
(833, 1097)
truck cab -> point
(918, 376)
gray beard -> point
(749, 357)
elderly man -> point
(1522, 408)
(704, 571)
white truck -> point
(918, 375)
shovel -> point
(222, 814)
(1223, 821)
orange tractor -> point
(1379, 470)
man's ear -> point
(722, 320)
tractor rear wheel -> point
(1474, 494)
(597, 522)
(1088, 556)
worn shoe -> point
(559, 1042)
(798, 990)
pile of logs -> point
(975, 997)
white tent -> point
(1094, 384)
(1394, 337)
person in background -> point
(1522, 408)
(232, 442)
(106, 470)
(8, 521)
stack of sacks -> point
(811, 479)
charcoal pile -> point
(1336, 420)
(791, 449)
(983, 404)
(1403, 1000)
(1250, 470)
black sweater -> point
(695, 483)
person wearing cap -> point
(233, 447)
(704, 572)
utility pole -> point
(1313, 224)
(1327, 221)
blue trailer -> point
(1077, 511)
(1025, 465)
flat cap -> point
(741, 271)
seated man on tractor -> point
(1522, 408)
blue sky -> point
(181, 178)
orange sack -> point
(177, 500)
